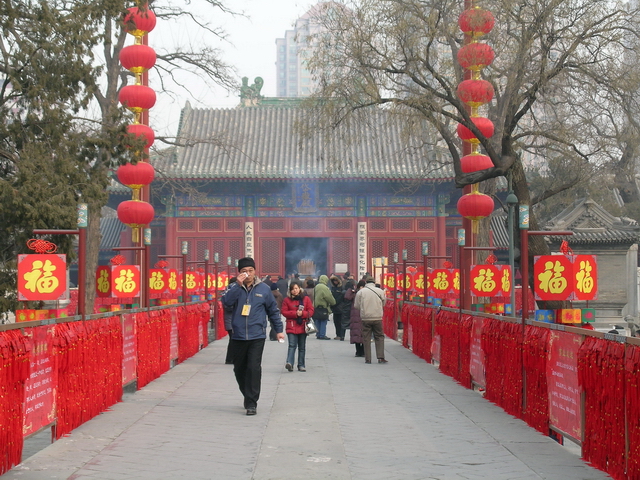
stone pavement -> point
(342, 419)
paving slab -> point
(341, 419)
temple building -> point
(259, 180)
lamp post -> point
(512, 201)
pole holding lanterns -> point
(138, 98)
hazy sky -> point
(250, 49)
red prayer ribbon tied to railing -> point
(535, 351)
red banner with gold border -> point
(553, 277)
(129, 349)
(585, 272)
(42, 277)
(485, 280)
(158, 282)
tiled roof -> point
(110, 228)
(265, 143)
(589, 222)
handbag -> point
(310, 327)
(320, 313)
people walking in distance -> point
(338, 294)
(309, 285)
(297, 309)
(370, 301)
(228, 313)
(283, 286)
(355, 322)
(322, 303)
(251, 302)
(279, 298)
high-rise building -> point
(293, 77)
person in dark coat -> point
(228, 313)
(345, 307)
(252, 304)
(355, 335)
(338, 294)
(278, 296)
(283, 286)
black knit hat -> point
(246, 262)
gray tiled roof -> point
(110, 228)
(266, 143)
(589, 222)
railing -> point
(60, 373)
(575, 383)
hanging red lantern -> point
(475, 162)
(475, 56)
(138, 58)
(141, 131)
(139, 21)
(136, 176)
(475, 206)
(482, 123)
(475, 92)
(476, 22)
(137, 97)
(135, 213)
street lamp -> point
(512, 201)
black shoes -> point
(289, 367)
(251, 411)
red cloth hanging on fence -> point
(601, 373)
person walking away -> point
(370, 301)
(276, 294)
(252, 302)
(322, 302)
(309, 285)
(283, 286)
(338, 294)
(297, 309)
(228, 313)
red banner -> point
(129, 349)
(40, 387)
(486, 280)
(441, 282)
(506, 280)
(585, 268)
(173, 281)
(562, 382)
(158, 282)
(553, 277)
(173, 345)
(42, 277)
(118, 281)
(476, 364)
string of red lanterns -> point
(475, 92)
(137, 98)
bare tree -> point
(557, 78)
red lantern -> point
(475, 206)
(475, 56)
(475, 162)
(482, 123)
(137, 97)
(136, 176)
(138, 58)
(139, 21)
(135, 213)
(476, 22)
(475, 92)
(140, 130)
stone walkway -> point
(342, 419)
